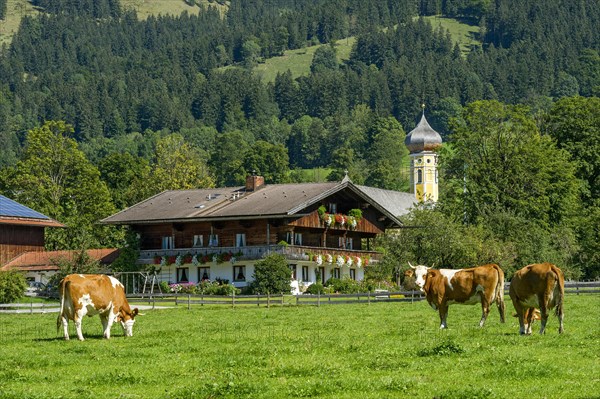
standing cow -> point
(443, 287)
(90, 294)
(541, 286)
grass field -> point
(384, 350)
(462, 33)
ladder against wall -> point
(151, 284)
(144, 283)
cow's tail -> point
(62, 287)
(499, 294)
(559, 291)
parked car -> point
(35, 288)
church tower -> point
(422, 142)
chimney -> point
(254, 182)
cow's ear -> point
(134, 312)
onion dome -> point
(423, 138)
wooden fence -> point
(188, 300)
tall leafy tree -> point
(179, 166)
(504, 163)
(54, 177)
(127, 177)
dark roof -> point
(271, 200)
(11, 212)
(422, 138)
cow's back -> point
(98, 289)
(535, 279)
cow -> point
(443, 287)
(90, 294)
(542, 286)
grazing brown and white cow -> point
(90, 294)
(444, 287)
(541, 286)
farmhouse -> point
(324, 230)
(21, 229)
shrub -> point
(316, 288)
(12, 286)
(272, 275)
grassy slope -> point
(298, 61)
(15, 10)
(343, 351)
(462, 33)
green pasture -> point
(466, 35)
(299, 61)
(382, 350)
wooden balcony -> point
(291, 252)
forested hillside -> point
(145, 101)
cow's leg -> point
(529, 318)
(559, 313)
(485, 309)
(521, 315)
(77, 318)
(543, 312)
(110, 320)
(105, 319)
(443, 309)
(65, 323)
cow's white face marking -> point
(115, 282)
(128, 327)
(449, 274)
(420, 274)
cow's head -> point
(127, 319)
(420, 275)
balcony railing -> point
(291, 252)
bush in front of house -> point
(12, 286)
(314, 289)
(344, 286)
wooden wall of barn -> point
(15, 240)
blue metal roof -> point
(12, 208)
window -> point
(332, 207)
(203, 273)
(240, 240)
(167, 242)
(289, 237)
(198, 240)
(304, 273)
(298, 239)
(239, 273)
(182, 275)
(349, 243)
(341, 242)
(293, 271)
(213, 240)
(320, 274)
(419, 176)
(336, 272)
(353, 274)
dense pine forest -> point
(100, 109)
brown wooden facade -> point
(17, 239)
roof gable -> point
(11, 212)
(275, 200)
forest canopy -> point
(135, 99)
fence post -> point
(153, 301)
(268, 299)
(282, 299)
(318, 299)
(257, 300)
(369, 297)
(297, 299)
(189, 298)
(202, 298)
(233, 299)
(577, 287)
(31, 305)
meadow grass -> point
(299, 61)
(466, 35)
(381, 350)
